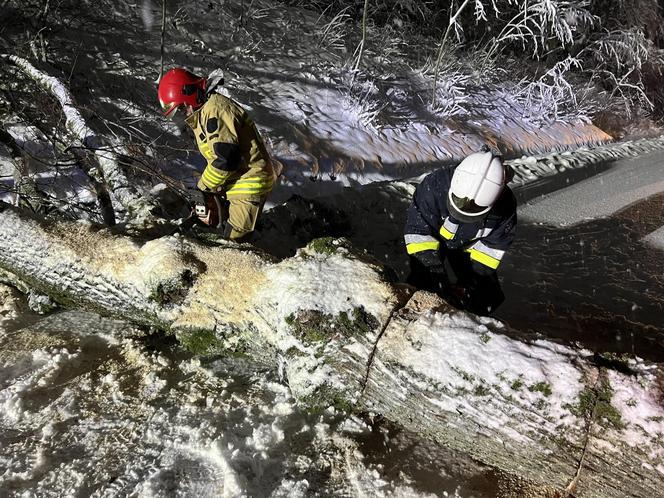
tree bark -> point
(346, 336)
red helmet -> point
(179, 87)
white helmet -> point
(476, 185)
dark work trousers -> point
(456, 281)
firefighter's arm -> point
(221, 149)
(418, 234)
(487, 253)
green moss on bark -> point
(541, 387)
(326, 396)
(324, 245)
(517, 384)
(200, 342)
(314, 328)
(597, 400)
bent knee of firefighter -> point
(242, 216)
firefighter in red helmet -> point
(238, 169)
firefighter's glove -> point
(459, 296)
(437, 270)
(431, 261)
(429, 272)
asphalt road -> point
(587, 265)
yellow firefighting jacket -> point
(238, 164)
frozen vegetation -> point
(137, 361)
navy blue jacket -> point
(430, 227)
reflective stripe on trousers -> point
(256, 185)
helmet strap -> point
(189, 89)
(200, 95)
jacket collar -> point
(193, 119)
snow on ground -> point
(11, 306)
(343, 151)
(63, 181)
(85, 413)
(325, 131)
(90, 406)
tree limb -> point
(111, 183)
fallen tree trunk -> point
(346, 336)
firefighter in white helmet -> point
(460, 223)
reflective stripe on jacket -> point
(430, 227)
(237, 162)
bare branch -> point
(163, 31)
(441, 49)
(109, 179)
(360, 48)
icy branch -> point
(108, 171)
(74, 120)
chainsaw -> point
(207, 210)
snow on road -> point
(626, 181)
(656, 238)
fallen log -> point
(544, 414)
